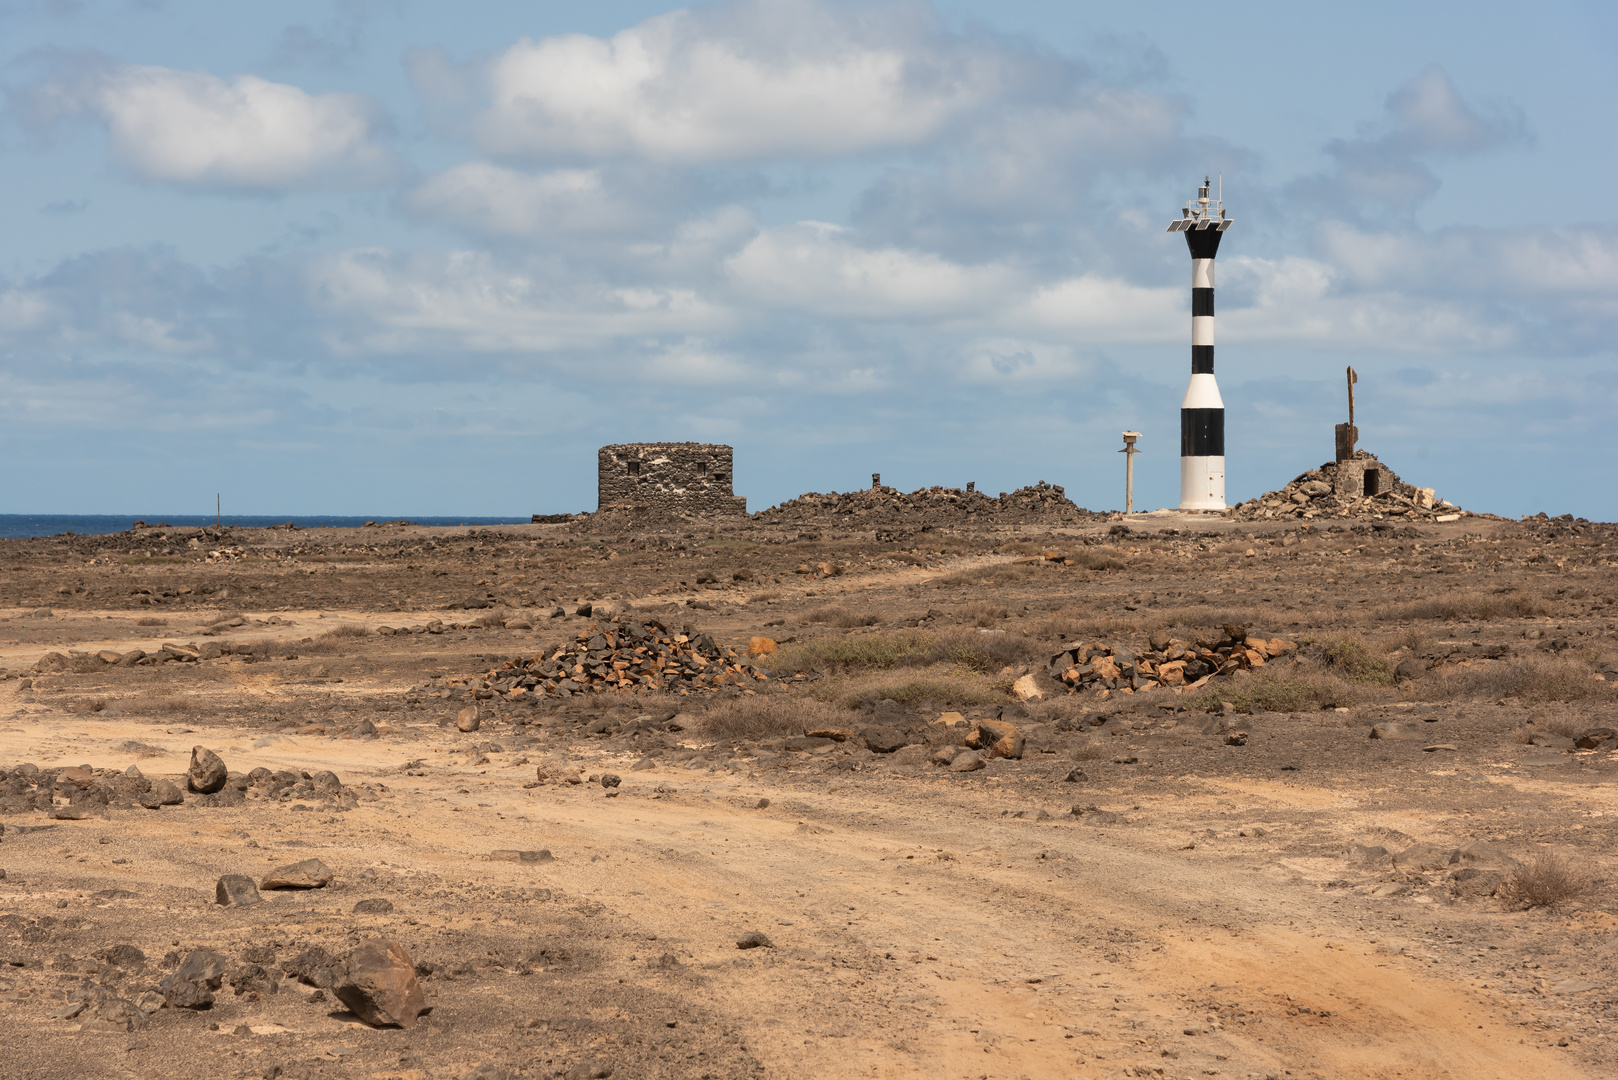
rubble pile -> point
(1339, 490)
(74, 793)
(1170, 662)
(1041, 502)
(623, 655)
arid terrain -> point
(1331, 798)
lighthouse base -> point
(1202, 483)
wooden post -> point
(1347, 434)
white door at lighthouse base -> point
(1202, 483)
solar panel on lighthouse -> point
(1202, 412)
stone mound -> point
(1169, 662)
(621, 654)
(1360, 486)
(1040, 502)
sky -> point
(391, 257)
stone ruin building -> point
(667, 478)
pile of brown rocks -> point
(933, 505)
(1360, 486)
(1170, 662)
(622, 654)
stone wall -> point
(667, 478)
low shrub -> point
(1299, 689)
(765, 715)
(1532, 680)
(1545, 880)
(841, 617)
(1350, 657)
(1465, 609)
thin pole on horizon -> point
(218, 518)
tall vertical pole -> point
(1202, 411)
(1129, 453)
(218, 517)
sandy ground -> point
(1206, 913)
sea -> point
(26, 525)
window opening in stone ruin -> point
(1373, 482)
(634, 468)
(718, 476)
(702, 466)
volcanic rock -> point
(236, 890)
(307, 874)
(207, 773)
(379, 985)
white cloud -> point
(1096, 308)
(379, 302)
(246, 133)
(497, 201)
(750, 79)
(819, 268)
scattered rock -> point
(1601, 738)
(467, 719)
(374, 906)
(511, 855)
(997, 738)
(1426, 857)
(379, 986)
(1394, 731)
(192, 984)
(611, 780)
(236, 890)
(162, 793)
(123, 956)
(308, 874)
(966, 761)
(1435, 747)
(589, 1070)
(761, 646)
(1075, 776)
(207, 773)
(1410, 669)
(754, 940)
(883, 739)
(314, 967)
(912, 756)
(1026, 689)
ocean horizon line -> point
(32, 526)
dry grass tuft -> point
(996, 574)
(842, 617)
(983, 613)
(145, 704)
(1465, 609)
(1349, 656)
(1533, 680)
(1545, 880)
(1301, 688)
(333, 640)
(761, 717)
(968, 649)
(948, 686)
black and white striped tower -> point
(1202, 413)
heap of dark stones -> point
(619, 655)
(1316, 494)
(80, 791)
(1169, 662)
(1039, 502)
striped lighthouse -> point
(1202, 413)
